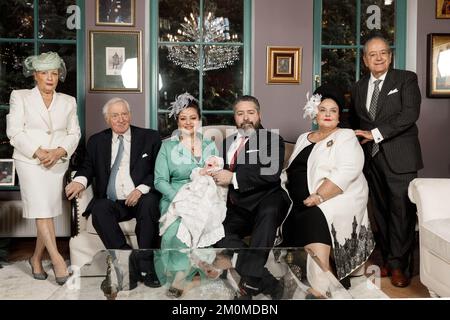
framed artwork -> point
(7, 172)
(284, 65)
(115, 61)
(438, 68)
(443, 9)
(115, 12)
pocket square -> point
(393, 91)
(144, 155)
(250, 151)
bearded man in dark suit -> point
(256, 203)
(386, 104)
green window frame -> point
(79, 42)
(399, 45)
(154, 59)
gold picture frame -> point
(115, 61)
(115, 13)
(438, 68)
(442, 9)
(284, 65)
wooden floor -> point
(21, 249)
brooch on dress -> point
(330, 143)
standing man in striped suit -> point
(386, 103)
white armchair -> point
(433, 211)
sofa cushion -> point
(435, 235)
(126, 226)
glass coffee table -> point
(201, 274)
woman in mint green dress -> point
(174, 164)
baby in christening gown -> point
(201, 205)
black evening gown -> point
(304, 225)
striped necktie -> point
(373, 111)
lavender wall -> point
(96, 100)
(283, 23)
(434, 122)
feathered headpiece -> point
(181, 102)
(311, 108)
(43, 62)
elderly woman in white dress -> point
(42, 126)
(328, 190)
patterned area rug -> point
(16, 283)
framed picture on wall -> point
(7, 172)
(115, 61)
(284, 65)
(115, 12)
(438, 69)
(443, 9)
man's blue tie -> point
(111, 189)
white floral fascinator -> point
(311, 108)
(181, 102)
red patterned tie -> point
(238, 150)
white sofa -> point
(433, 211)
(85, 242)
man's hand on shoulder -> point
(365, 135)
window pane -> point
(69, 54)
(12, 56)
(174, 80)
(5, 148)
(166, 125)
(218, 119)
(172, 13)
(225, 18)
(52, 19)
(16, 19)
(339, 22)
(338, 67)
(222, 86)
(386, 25)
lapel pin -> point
(330, 143)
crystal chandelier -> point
(214, 56)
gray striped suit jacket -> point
(397, 112)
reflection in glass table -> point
(209, 275)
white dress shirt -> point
(377, 136)
(124, 183)
(233, 148)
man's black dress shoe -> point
(151, 280)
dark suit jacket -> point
(97, 164)
(258, 168)
(396, 118)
